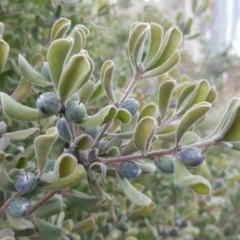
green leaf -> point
(78, 174)
(188, 26)
(164, 96)
(171, 41)
(83, 142)
(98, 92)
(60, 28)
(194, 5)
(43, 145)
(19, 223)
(17, 111)
(57, 55)
(136, 41)
(190, 117)
(144, 134)
(4, 51)
(198, 183)
(48, 230)
(86, 91)
(211, 96)
(31, 74)
(84, 225)
(6, 183)
(132, 193)
(105, 115)
(230, 131)
(130, 127)
(50, 208)
(156, 37)
(113, 152)
(76, 69)
(1, 28)
(129, 148)
(22, 90)
(85, 202)
(21, 135)
(106, 77)
(64, 167)
(148, 111)
(165, 67)
(2, 156)
(196, 35)
(123, 115)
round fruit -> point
(63, 129)
(191, 156)
(131, 105)
(129, 170)
(165, 164)
(19, 207)
(25, 182)
(75, 111)
(49, 103)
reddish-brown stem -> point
(47, 196)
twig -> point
(47, 196)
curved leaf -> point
(60, 28)
(57, 56)
(98, 92)
(86, 91)
(144, 134)
(17, 111)
(83, 142)
(123, 115)
(31, 74)
(19, 223)
(84, 225)
(190, 117)
(136, 41)
(148, 111)
(43, 145)
(132, 193)
(105, 115)
(22, 90)
(164, 96)
(6, 183)
(78, 174)
(4, 51)
(76, 69)
(106, 77)
(20, 135)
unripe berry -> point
(63, 129)
(131, 105)
(25, 182)
(19, 207)
(165, 164)
(75, 111)
(45, 71)
(129, 170)
(49, 103)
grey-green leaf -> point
(20, 135)
(106, 77)
(60, 28)
(4, 51)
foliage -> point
(88, 166)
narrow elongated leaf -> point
(164, 96)
(22, 90)
(144, 134)
(136, 41)
(84, 225)
(231, 129)
(49, 230)
(198, 183)
(98, 92)
(86, 91)
(106, 77)
(19, 223)
(43, 144)
(78, 174)
(148, 111)
(156, 37)
(17, 111)
(165, 67)
(31, 74)
(57, 56)
(171, 41)
(4, 50)
(76, 69)
(85, 202)
(20, 135)
(188, 26)
(60, 28)
(190, 117)
(132, 193)
(105, 115)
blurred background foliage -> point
(178, 213)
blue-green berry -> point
(131, 105)
(45, 71)
(129, 170)
(165, 164)
(63, 129)
(75, 111)
(19, 207)
(25, 182)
